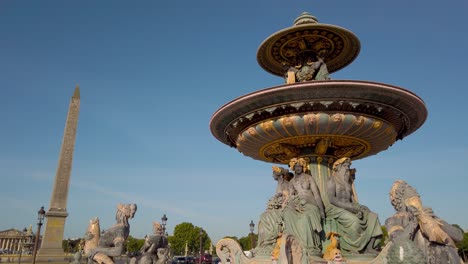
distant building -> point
(13, 241)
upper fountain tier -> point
(337, 46)
(311, 115)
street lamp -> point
(40, 218)
(164, 221)
(200, 259)
(252, 226)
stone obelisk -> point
(55, 217)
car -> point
(190, 260)
(206, 259)
(179, 260)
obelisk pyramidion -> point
(55, 216)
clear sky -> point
(153, 72)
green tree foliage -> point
(70, 245)
(385, 237)
(463, 247)
(187, 233)
(134, 244)
(232, 237)
(246, 242)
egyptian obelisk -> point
(55, 217)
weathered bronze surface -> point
(359, 228)
(322, 122)
(102, 247)
(156, 248)
(424, 237)
(308, 39)
(334, 118)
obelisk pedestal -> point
(51, 247)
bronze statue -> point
(269, 227)
(270, 223)
(294, 212)
(103, 247)
(307, 70)
(304, 210)
(282, 176)
(417, 228)
(359, 228)
(155, 249)
(93, 233)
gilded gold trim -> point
(309, 141)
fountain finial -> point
(305, 18)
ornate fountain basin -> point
(332, 118)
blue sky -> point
(153, 72)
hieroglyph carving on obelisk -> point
(55, 222)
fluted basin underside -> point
(333, 118)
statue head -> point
(125, 212)
(298, 161)
(403, 195)
(280, 173)
(157, 228)
(341, 173)
(342, 161)
(276, 169)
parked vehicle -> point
(190, 260)
(206, 259)
(179, 260)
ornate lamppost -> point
(40, 219)
(163, 222)
(252, 226)
(201, 247)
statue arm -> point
(145, 246)
(285, 191)
(455, 233)
(292, 189)
(153, 243)
(394, 228)
(114, 251)
(316, 65)
(151, 250)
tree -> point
(463, 247)
(385, 237)
(187, 233)
(246, 242)
(232, 237)
(134, 244)
(71, 245)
